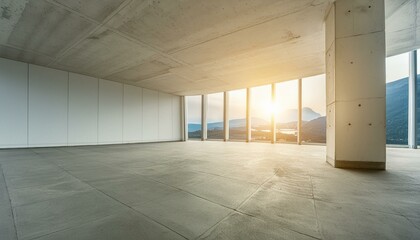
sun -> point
(270, 108)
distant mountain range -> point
(287, 116)
(397, 111)
(291, 115)
(314, 125)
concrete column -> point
(273, 113)
(299, 123)
(248, 115)
(226, 116)
(184, 118)
(412, 90)
(355, 69)
(204, 117)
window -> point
(314, 110)
(261, 109)
(286, 111)
(237, 115)
(215, 116)
(194, 117)
(397, 99)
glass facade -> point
(286, 111)
(261, 109)
(237, 115)
(194, 117)
(397, 69)
(314, 110)
(215, 116)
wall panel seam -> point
(68, 105)
(97, 116)
(27, 106)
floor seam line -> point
(318, 224)
(10, 202)
(70, 228)
(140, 213)
(188, 192)
(365, 208)
(258, 189)
(116, 200)
(217, 223)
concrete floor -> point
(204, 190)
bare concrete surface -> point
(204, 190)
(187, 47)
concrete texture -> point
(204, 190)
(184, 47)
(356, 90)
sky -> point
(396, 67)
(313, 91)
(313, 96)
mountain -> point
(291, 115)
(315, 130)
(234, 123)
(314, 125)
(288, 118)
(397, 111)
(193, 127)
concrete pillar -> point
(184, 118)
(299, 123)
(248, 115)
(273, 113)
(355, 69)
(412, 90)
(226, 116)
(204, 117)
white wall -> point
(13, 103)
(110, 112)
(150, 115)
(165, 116)
(48, 95)
(83, 114)
(46, 107)
(133, 110)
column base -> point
(357, 164)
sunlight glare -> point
(270, 108)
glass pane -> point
(237, 115)
(286, 111)
(261, 109)
(314, 109)
(215, 116)
(194, 116)
(397, 99)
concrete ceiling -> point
(183, 47)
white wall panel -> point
(47, 106)
(110, 112)
(150, 115)
(165, 116)
(13, 103)
(83, 110)
(133, 107)
(176, 118)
